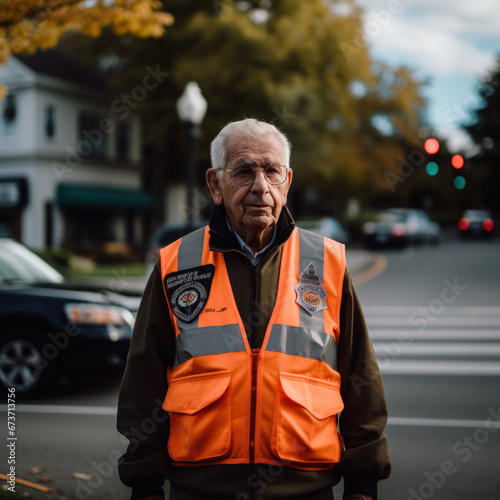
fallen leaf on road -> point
(36, 470)
(81, 475)
(45, 479)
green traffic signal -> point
(432, 168)
(459, 182)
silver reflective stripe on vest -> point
(189, 255)
(310, 340)
(302, 342)
(208, 340)
(311, 249)
(190, 250)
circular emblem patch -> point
(188, 300)
(311, 298)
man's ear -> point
(288, 184)
(214, 186)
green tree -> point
(484, 130)
(304, 66)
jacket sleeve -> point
(366, 458)
(141, 419)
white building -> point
(69, 157)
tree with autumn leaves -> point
(28, 25)
(304, 66)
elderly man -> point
(251, 338)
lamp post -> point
(191, 108)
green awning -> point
(100, 197)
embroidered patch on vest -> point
(188, 290)
(310, 292)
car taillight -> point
(398, 230)
(463, 224)
(488, 225)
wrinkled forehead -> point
(265, 148)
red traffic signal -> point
(431, 146)
(457, 161)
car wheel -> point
(22, 363)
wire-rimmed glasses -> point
(244, 174)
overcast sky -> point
(451, 42)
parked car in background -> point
(401, 227)
(476, 224)
(51, 326)
(165, 235)
(326, 226)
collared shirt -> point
(254, 258)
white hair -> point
(248, 128)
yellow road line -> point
(378, 267)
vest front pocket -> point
(305, 423)
(199, 407)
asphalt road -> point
(434, 318)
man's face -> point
(255, 207)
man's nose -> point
(260, 184)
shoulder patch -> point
(187, 291)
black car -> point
(325, 226)
(401, 227)
(52, 326)
(476, 224)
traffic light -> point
(431, 147)
(457, 161)
(437, 155)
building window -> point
(50, 125)
(9, 115)
(92, 141)
(122, 142)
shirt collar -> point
(255, 259)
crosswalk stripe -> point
(407, 335)
(461, 341)
(434, 321)
(423, 367)
(407, 310)
(442, 349)
(443, 422)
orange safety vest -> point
(276, 405)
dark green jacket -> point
(146, 463)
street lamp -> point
(191, 108)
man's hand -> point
(355, 496)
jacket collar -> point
(223, 239)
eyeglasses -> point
(243, 175)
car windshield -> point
(392, 216)
(18, 264)
(477, 214)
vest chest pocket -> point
(305, 423)
(199, 407)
